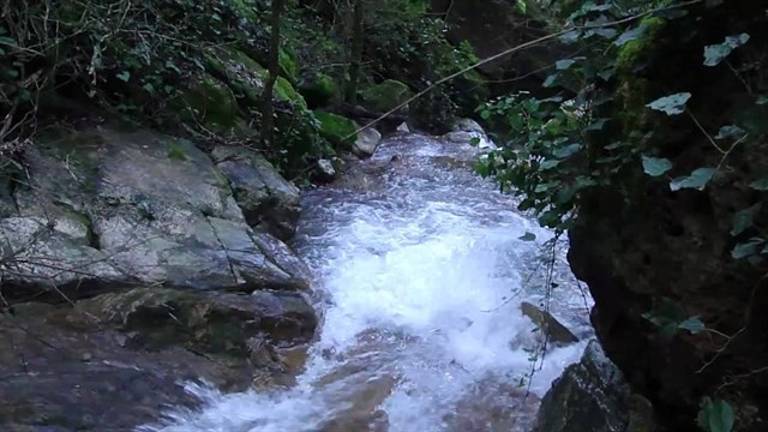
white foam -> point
(432, 275)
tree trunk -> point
(356, 55)
(268, 109)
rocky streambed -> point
(148, 286)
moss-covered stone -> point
(284, 91)
(247, 77)
(385, 96)
(210, 102)
(632, 52)
(337, 129)
(288, 66)
(319, 89)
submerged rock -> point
(590, 396)
(367, 142)
(548, 324)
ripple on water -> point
(419, 276)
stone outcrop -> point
(590, 396)
(150, 263)
(647, 252)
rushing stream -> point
(419, 274)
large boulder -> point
(264, 196)
(143, 207)
(247, 77)
(119, 360)
(209, 102)
(385, 96)
(590, 396)
(319, 89)
(337, 129)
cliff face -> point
(641, 247)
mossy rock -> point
(284, 91)
(319, 89)
(288, 66)
(337, 129)
(210, 102)
(385, 96)
(247, 77)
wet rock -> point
(144, 207)
(468, 131)
(590, 396)
(120, 359)
(549, 325)
(264, 196)
(366, 143)
(212, 323)
(325, 170)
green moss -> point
(288, 67)
(336, 128)
(385, 96)
(211, 102)
(285, 91)
(319, 90)
(632, 52)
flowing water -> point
(419, 274)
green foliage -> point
(671, 105)
(670, 318)
(714, 54)
(600, 130)
(716, 416)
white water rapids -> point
(419, 274)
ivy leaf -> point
(744, 219)
(672, 104)
(716, 416)
(761, 185)
(714, 54)
(630, 35)
(124, 76)
(564, 64)
(762, 100)
(730, 131)
(697, 180)
(550, 81)
(528, 237)
(567, 151)
(693, 325)
(747, 249)
(656, 167)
